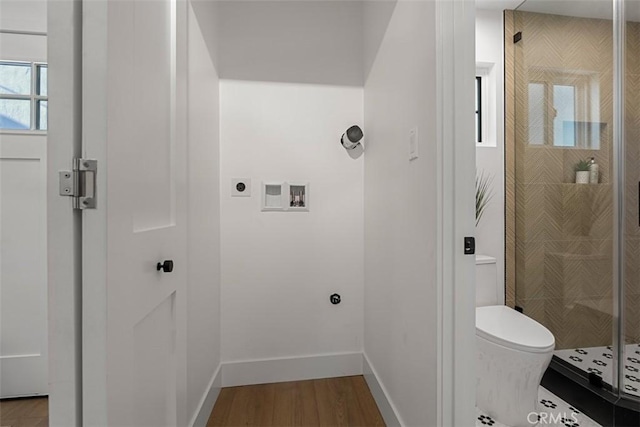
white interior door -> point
(134, 124)
(23, 228)
(23, 265)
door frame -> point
(455, 59)
(69, 88)
(64, 234)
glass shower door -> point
(564, 222)
(629, 307)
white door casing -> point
(134, 124)
(455, 38)
(64, 22)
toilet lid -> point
(509, 328)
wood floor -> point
(27, 412)
(344, 401)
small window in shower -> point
(563, 109)
(536, 114)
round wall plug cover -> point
(241, 187)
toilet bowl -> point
(513, 352)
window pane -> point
(42, 80)
(15, 114)
(42, 115)
(564, 121)
(536, 113)
(15, 79)
(478, 109)
(477, 93)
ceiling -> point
(602, 9)
(498, 4)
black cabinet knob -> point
(165, 266)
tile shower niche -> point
(283, 196)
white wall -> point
(203, 322)
(376, 18)
(292, 41)
(279, 268)
(23, 15)
(400, 212)
(490, 155)
(207, 14)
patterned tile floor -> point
(599, 361)
(553, 412)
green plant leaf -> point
(582, 166)
(484, 193)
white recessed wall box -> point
(273, 196)
(283, 196)
(241, 187)
(298, 199)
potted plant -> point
(484, 193)
(582, 172)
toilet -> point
(512, 353)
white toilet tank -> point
(486, 281)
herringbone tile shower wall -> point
(632, 184)
(562, 232)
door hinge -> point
(80, 183)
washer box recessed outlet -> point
(241, 187)
(273, 196)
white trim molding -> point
(455, 57)
(379, 392)
(63, 226)
(208, 400)
(487, 72)
(267, 371)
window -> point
(23, 96)
(563, 109)
(485, 87)
(479, 109)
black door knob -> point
(165, 266)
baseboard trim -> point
(201, 416)
(291, 369)
(266, 371)
(380, 395)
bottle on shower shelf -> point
(593, 171)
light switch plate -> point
(413, 144)
(241, 187)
